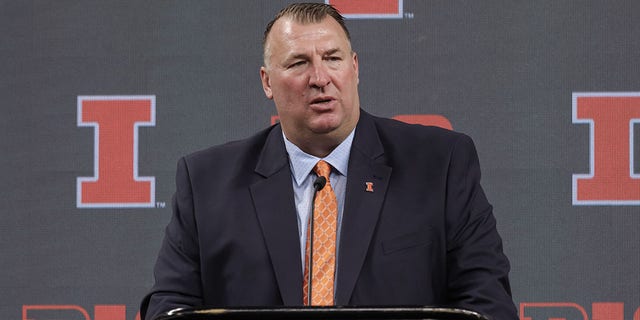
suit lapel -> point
(362, 207)
(275, 208)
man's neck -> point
(318, 145)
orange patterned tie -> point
(324, 244)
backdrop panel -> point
(548, 89)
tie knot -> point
(322, 169)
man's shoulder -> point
(398, 132)
(232, 151)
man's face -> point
(312, 75)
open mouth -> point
(322, 100)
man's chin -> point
(324, 128)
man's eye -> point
(297, 64)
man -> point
(413, 224)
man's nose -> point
(319, 76)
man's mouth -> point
(321, 100)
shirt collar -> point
(302, 163)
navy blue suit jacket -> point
(425, 236)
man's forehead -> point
(285, 39)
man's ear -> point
(266, 84)
(356, 66)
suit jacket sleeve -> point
(477, 274)
(177, 270)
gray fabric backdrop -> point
(501, 71)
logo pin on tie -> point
(369, 186)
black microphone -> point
(318, 184)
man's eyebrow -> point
(297, 56)
(304, 56)
(332, 51)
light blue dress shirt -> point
(303, 176)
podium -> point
(324, 313)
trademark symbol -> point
(408, 15)
(161, 205)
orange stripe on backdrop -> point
(366, 6)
